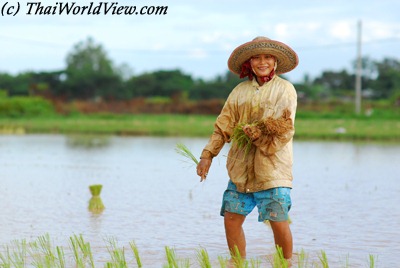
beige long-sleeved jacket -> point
(268, 164)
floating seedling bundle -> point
(95, 203)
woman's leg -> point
(283, 237)
(234, 232)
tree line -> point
(91, 75)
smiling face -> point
(262, 65)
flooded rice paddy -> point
(345, 198)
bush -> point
(25, 107)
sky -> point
(197, 37)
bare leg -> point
(234, 232)
(283, 237)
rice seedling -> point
(16, 256)
(81, 251)
(237, 259)
(324, 259)
(346, 261)
(184, 151)
(255, 263)
(95, 203)
(272, 128)
(117, 254)
(20, 253)
(5, 258)
(61, 257)
(222, 261)
(302, 259)
(279, 260)
(42, 253)
(371, 261)
(240, 139)
(172, 261)
(203, 258)
(136, 254)
(185, 263)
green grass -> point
(42, 253)
(319, 128)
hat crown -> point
(261, 38)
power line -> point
(24, 40)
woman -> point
(263, 108)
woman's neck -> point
(261, 80)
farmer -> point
(262, 175)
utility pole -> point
(359, 70)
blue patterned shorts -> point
(273, 204)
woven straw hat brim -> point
(287, 58)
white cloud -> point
(197, 53)
(342, 30)
(373, 30)
(281, 31)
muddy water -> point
(345, 198)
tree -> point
(388, 79)
(16, 85)
(90, 73)
(219, 88)
(46, 84)
(160, 83)
(336, 81)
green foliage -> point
(25, 107)
(160, 83)
(388, 79)
(3, 93)
(15, 85)
(90, 73)
(218, 88)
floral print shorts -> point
(273, 204)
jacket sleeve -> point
(270, 144)
(223, 129)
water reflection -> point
(88, 141)
(342, 191)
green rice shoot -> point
(42, 253)
(135, 251)
(203, 258)
(184, 151)
(240, 139)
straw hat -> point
(287, 58)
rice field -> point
(62, 172)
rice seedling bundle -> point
(270, 127)
(95, 203)
(185, 152)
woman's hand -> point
(203, 167)
(253, 132)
